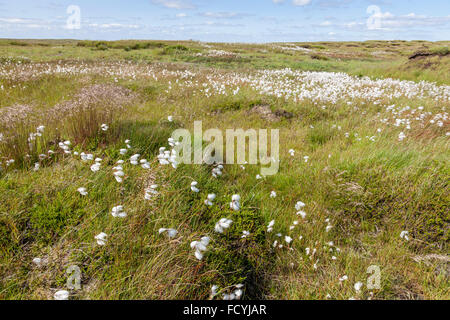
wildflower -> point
(258, 177)
(134, 159)
(238, 293)
(273, 194)
(118, 212)
(328, 228)
(118, 174)
(32, 137)
(123, 151)
(292, 152)
(235, 203)
(170, 118)
(193, 187)
(40, 129)
(61, 295)
(404, 235)
(245, 234)
(217, 171)
(104, 127)
(173, 159)
(401, 136)
(214, 291)
(86, 157)
(64, 146)
(306, 158)
(270, 226)
(36, 166)
(82, 191)
(37, 262)
(151, 191)
(223, 224)
(228, 296)
(302, 214)
(172, 233)
(200, 247)
(358, 286)
(343, 278)
(299, 205)
(288, 239)
(101, 238)
(95, 167)
(210, 199)
(235, 295)
(145, 164)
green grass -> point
(369, 190)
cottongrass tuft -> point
(200, 247)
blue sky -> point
(227, 20)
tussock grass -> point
(76, 120)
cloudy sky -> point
(227, 20)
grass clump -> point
(442, 51)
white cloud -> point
(14, 20)
(221, 15)
(113, 26)
(301, 3)
(325, 24)
(298, 3)
(181, 15)
(19, 23)
(175, 4)
(387, 20)
(354, 25)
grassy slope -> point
(370, 58)
(369, 193)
